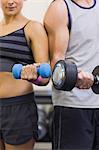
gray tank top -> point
(83, 50)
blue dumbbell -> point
(43, 70)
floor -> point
(43, 146)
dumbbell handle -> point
(96, 79)
(43, 70)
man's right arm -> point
(56, 25)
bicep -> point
(56, 24)
(58, 43)
(58, 38)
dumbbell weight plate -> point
(95, 87)
(64, 75)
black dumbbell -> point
(64, 76)
(95, 86)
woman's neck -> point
(9, 19)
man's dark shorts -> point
(75, 128)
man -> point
(73, 34)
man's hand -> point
(85, 80)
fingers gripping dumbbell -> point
(64, 76)
(43, 70)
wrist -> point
(37, 81)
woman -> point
(21, 41)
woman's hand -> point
(29, 72)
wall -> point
(34, 9)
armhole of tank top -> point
(28, 44)
(27, 23)
(69, 15)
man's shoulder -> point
(56, 15)
(56, 10)
(58, 4)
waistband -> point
(22, 99)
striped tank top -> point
(14, 49)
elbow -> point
(54, 61)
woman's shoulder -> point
(34, 27)
(34, 24)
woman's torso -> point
(10, 87)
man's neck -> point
(84, 2)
